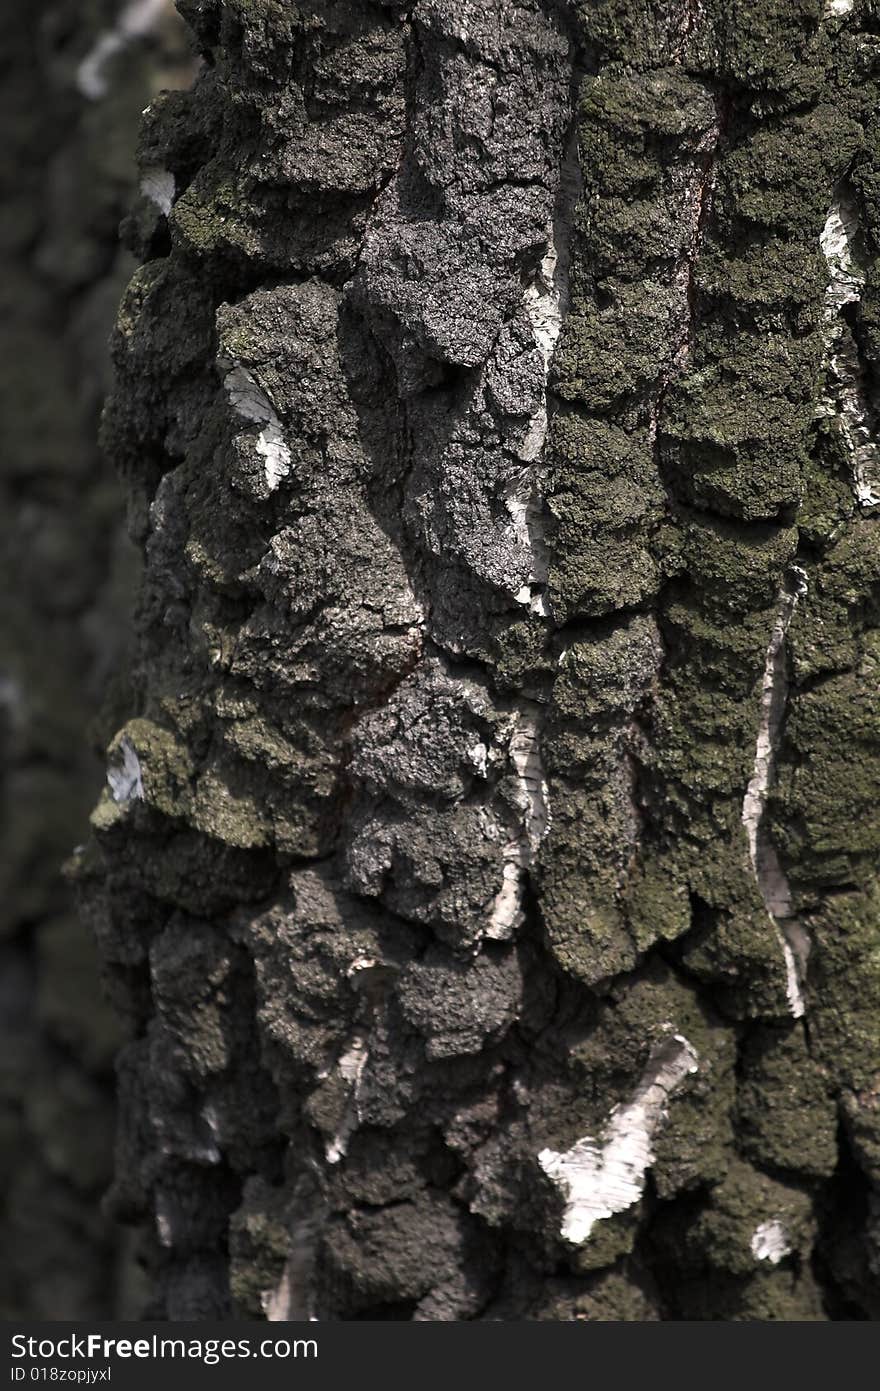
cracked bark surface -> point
(491, 386)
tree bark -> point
(488, 869)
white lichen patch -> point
(164, 1225)
(138, 18)
(837, 240)
(846, 397)
(775, 891)
(125, 780)
(350, 1068)
(531, 797)
(774, 691)
(836, 9)
(524, 506)
(288, 1301)
(770, 876)
(532, 792)
(277, 1302)
(478, 757)
(507, 910)
(771, 1242)
(159, 186)
(601, 1177)
(543, 302)
(210, 1151)
(361, 964)
(291, 1299)
(251, 402)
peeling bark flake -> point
(847, 397)
(125, 782)
(351, 1068)
(251, 402)
(601, 1178)
(771, 879)
(544, 308)
(532, 800)
(771, 1242)
(159, 186)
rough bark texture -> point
(487, 871)
(66, 577)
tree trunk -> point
(488, 869)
